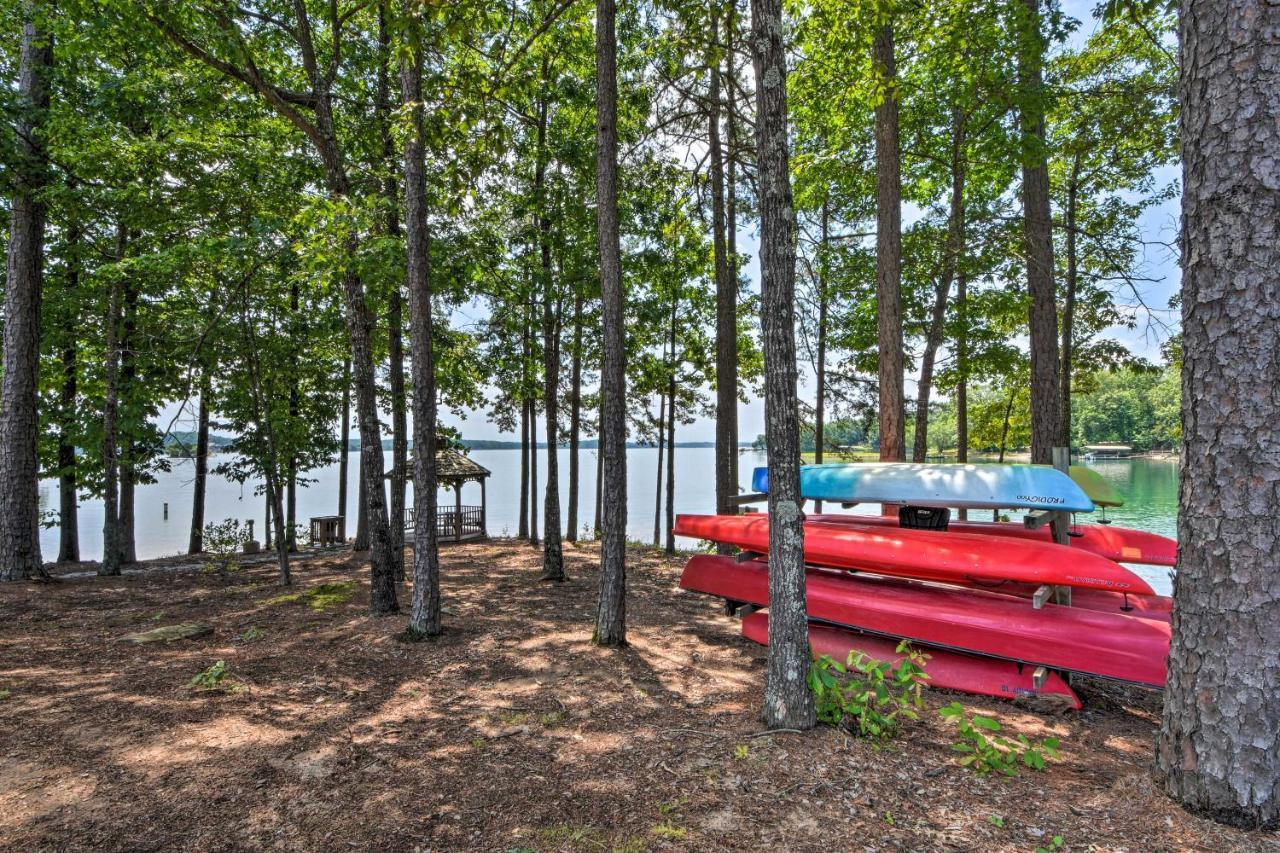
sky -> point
(1159, 225)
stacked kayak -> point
(1071, 639)
(972, 595)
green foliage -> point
(866, 696)
(214, 678)
(1054, 844)
(670, 831)
(985, 749)
(5, 694)
(320, 597)
(223, 541)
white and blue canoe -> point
(947, 485)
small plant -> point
(667, 829)
(254, 633)
(672, 806)
(4, 694)
(741, 751)
(889, 819)
(986, 749)
(1055, 844)
(996, 820)
(222, 542)
(479, 743)
(214, 678)
(867, 696)
(552, 718)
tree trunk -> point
(820, 368)
(889, 253)
(788, 703)
(1038, 236)
(68, 485)
(575, 419)
(110, 410)
(596, 528)
(201, 478)
(128, 449)
(726, 300)
(937, 322)
(424, 619)
(671, 443)
(1004, 430)
(1069, 300)
(19, 386)
(1219, 746)
(291, 467)
(362, 505)
(731, 239)
(552, 555)
(611, 617)
(962, 375)
(395, 318)
(344, 442)
(533, 473)
(657, 488)
(525, 452)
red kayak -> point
(949, 670)
(924, 554)
(1074, 639)
(1121, 544)
(1146, 606)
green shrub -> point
(866, 696)
(985, 749)
(214, 678)
(223, 541)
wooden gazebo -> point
(459, 522)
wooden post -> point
(457, 511)
(1061, 522)
(484, 511)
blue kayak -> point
(965, 486)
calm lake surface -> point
(1149, 486)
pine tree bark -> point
(611, 618)
(1219, 747)
(726, 300)
(344, 443)
(937, 320)
(788, 703)
(552, 553)
(657, 487)
(110, 410)
(68, 485)
(291, 466)
(889, 253)
(671, 431)
(195, 544)
(19, 385)
(1070, 215)
(1038, 237)
(962, 370)
(820, 369)
(128, 447)
(424, 619)
(395, 309)
(575, 419)
(525, 430)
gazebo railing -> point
(450, 523)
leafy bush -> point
(222, 542)
(214, 678)
(985, 749)
(866, 696)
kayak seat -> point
(924, 517)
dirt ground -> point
(511, 732)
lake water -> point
(1149, 486)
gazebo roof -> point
(453, 466)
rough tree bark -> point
(889, 253)
(1038, 237)
(128, 449)
(1069, 216)
(110, 410)
(937, 321)
(19, 386)
(424, 618)
(195, 545)
(575, 419)
(788, 703)
(68, 485)
(552, 554)
(657, 488)
(671, 434)
(820, 368)
(726, 302)
(1219, 746)
(611, 618)
(344, 442)
(525, 430)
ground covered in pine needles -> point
(320, 730)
